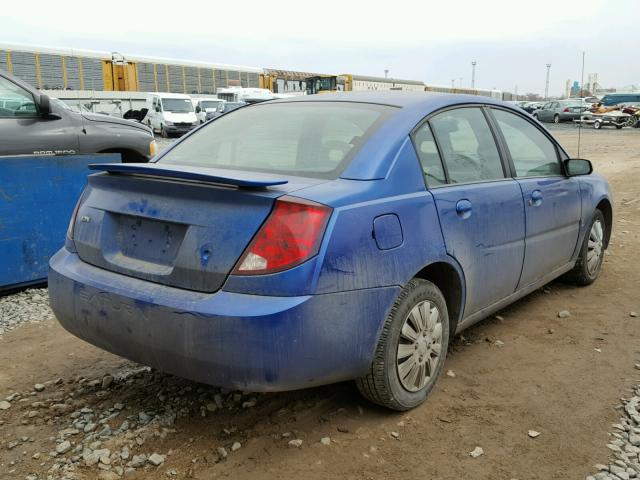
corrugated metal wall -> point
(254, 80)
(191, 79)
(73, 72)
(162, 78)
(206, 80)
(92, 73)
(51, 76)
(181, 79)
(233, 77)
(24, 67)
(3, 60)
(146, 80)
(221, 78)
(175, 79)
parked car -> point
(611, 99)
(323, 238)
(225, 107)
(204, 106)
(560, 111)
(170, 114)
(32, 123)
(531, 107)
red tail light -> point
(291, 235)
(566, 109)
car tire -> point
(556, 118)
(405, 369)
(618, 127)
(597, 125)
(589, 263)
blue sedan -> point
(325, 238)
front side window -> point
(467, 145)
(532, 152)
(15, 101)
(315, 139)
(429, 157)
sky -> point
(435, 42)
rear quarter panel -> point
(349, 258)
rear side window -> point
(533, 154)
(429, 156)
(315, 139)
(467, 145)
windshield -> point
(177, 105)
(210, 104)
(315, 139)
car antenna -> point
(581, 100)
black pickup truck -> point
(32, 123)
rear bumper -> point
(249, 342)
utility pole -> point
(460, 82)
(386, 73)
(546, 87)
(453, 83)
(473, 74)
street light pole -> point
(546, 87)
(473, 74)
(386, 73)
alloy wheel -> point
(594, 246)
(420, 346)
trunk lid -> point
(177, 227)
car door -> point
(480, 209)
(551, 199)
(543, 113)
(24, 131)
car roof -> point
(182, 96)
(398, 99)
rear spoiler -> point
(201, 174)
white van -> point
(170, 113)
(205, 105)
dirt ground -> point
(562, 377)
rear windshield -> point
(313, 139)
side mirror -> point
(44, 105)
(198, 109)
(157, 108)
(578, 166)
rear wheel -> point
(589, 263)
(597, 124)
(412, 348)
(556, 118)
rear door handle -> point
(463, 208)
(536, 198)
